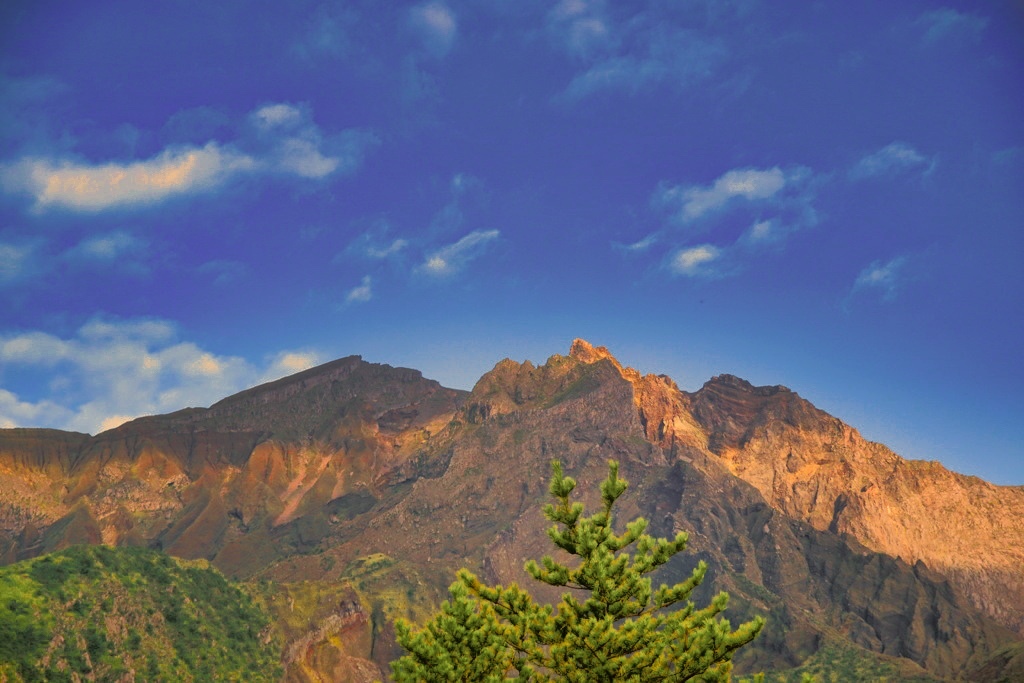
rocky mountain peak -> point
(585, 352)
(663, 409)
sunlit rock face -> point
(814, 467)
(361, 488)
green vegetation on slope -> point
(97, 612)
(839, 662)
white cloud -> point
(778, 203)
(436, 25)
(692, 202)
(451, 259)
(361, 293)
(695, 261)
(288, 363)
(83, 187)
(274, 115)
(113, 370)
(36, 348)
(891, 160)
(291, 145)
(14, 412)
(945, 22)
(883, 277)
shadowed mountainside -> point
(361, 488)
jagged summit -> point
(588, 353)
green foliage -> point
(609, 626)
(837, 662)
(99, 612)
(23, 635)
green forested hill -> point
(96, 613)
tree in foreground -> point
(609, 626)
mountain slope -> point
(360, 488)
(813, 467)
(232, 483)
(583, 409)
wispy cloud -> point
(690, 202)
(463, 190)
(105, 248)
(328, 33)
(680, 58)
(942, 23)
(294, 144)
(695, 261)
(884, 278)
(32, 260)
(639, 246)
(376, 243)
(15, 261)
(581, 26)
(27, 112)
(361, 293)
(395, 247)
(778, 203)
(891, 160)
(452, 258)
(761, 232)
(223, 271)
(631, 53)
(289, 144)
(113, 370)
(436, 25)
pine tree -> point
(609, 626)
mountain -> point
(357, 489)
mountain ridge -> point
(298, 479)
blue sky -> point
(196, 197)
